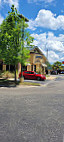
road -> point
(32, 114)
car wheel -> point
(38, 78)
(43, 79)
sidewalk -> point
(51, 77)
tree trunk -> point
(21, 70)
(15, 74)
(22, 78)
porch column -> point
(4, 67)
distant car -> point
(54, 72)
(32, 75)
(62, 72)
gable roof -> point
(39, 49)
(41, 52)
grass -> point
(29, 84)
(47, 75)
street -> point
(32, 114)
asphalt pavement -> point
(33, 114)
(48, 80)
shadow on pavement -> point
(7, 83)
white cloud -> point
(35, 1)
(1, 19)
(52, 56)
(46, 19)
(31, 25)
(55, 45)
(62, 59)
(10, 2)
(62, 11)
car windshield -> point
(35, 72)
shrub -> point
(6, 74)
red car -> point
(32, 75)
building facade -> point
(36, 62)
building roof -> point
(39, 49)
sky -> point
(46, 24)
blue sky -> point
(46, 23)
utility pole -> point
(24, 19)
(47, 59)
(47, 53)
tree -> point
(57, 65)
(11, 33)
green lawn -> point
(30, 83)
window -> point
(35, 68)
(27, 72)
(31, 72)
(7, 67)
(12, 67)
(31, 67)
(1, 65)
(24, 68)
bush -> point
(6, 74)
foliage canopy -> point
(13, 37)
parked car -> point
(32, 75)
(62, 72)
(54, 72)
